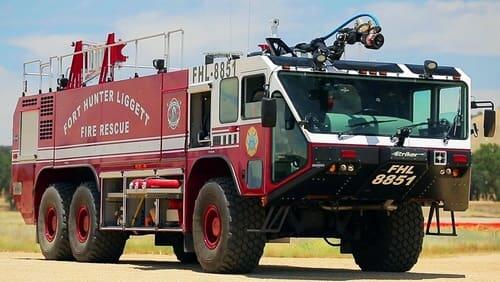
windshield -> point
(357, 105)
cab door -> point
(254, 142)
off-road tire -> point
(183, 256)
(237, 251)
(99, 246)
(390, 242)
(58, 196)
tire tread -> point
(107, 245)
(63, 252)
(244, 249)
(400, 241)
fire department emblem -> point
(173, 113)
(252, 141)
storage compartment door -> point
(29, 135)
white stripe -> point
(109, 156)
(125, 148)
(30, 162)
(173, 151)
(138, 173)
(212, 148)
(109, 142)
(108, 149)
(111, 174)
(219, 134)
(220, 130)
(174, 135)
(173, 143)
(386, 141)
(169, 171)
(151, 147)
(45, 155)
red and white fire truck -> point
(218, 159)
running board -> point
(435, 209)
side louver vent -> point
(46, 127)
(29, 102)
(47, 106)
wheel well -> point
(73, 175)
(203, 170)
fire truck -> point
(244, 149)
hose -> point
(349, 21)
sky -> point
(453, 33)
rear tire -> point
(220, 222)
(390, 243)
(52, 222)
(88, 243)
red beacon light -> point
(348, 154)
(460, 159)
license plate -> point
(396, 175)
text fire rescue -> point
(112, 128)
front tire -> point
(88, 243)
(390, 242)
(52, 222)
(220, 223)
(181, 254)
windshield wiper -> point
(457, 121)
(404, 132)
(414, 125)
(362, 124)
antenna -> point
(275, 23)
(248, 26)
(230, 26)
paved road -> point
(31, 267)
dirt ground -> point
(32, 267)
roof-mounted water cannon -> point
(367, 33)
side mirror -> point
(489, 123)
(268, 110)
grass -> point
(16, 236)
(482, 209)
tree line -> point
(485, 166)
(5, 162)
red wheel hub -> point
(82, 224)
(50, 223)
(212, 226)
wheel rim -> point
(212, 228)
(50, 223)
(82, 224)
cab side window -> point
(253, 92)
(228, 100)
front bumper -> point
(382, 173)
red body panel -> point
(115, 126)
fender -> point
(228, 163)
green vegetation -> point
(485, 166)
(5, 161)
(468, 241)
